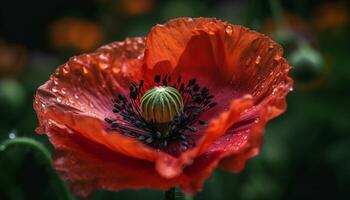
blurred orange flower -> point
(76, 33)
(232, 81)
(12, 58)
(136, 7)
(332, 15)
(292, 21)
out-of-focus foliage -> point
(306, 152)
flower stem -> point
(175, 194)
(46, 156)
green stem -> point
(175, 194)
(47, 157)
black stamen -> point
(157, 79)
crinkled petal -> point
(87, 166)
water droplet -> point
(64, 91)
(13, 134)
(65, 69)
(140, 57)
(228, 29)
(43, 105)
(103, 57)
(85, 71)
(189, 19)
(257, 60)
(139, 40)
(54, 89)
(116, 70)
(55, 81)
(59, 99)
(71, 101)
(275, 90)
(76, 96)
(103, 66)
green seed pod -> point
(161, 104)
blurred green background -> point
(306, 153)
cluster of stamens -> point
(129, 119)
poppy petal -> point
(87, 166)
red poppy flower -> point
(231, 81)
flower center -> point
(165, 115)
(161, 105)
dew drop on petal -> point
(275, 90)
(55, 81)
(54, 89)
(257, 60)
(13, 135)
(64, 91)
(103, 66)
(71, 101)
(85, 71)
(59, 99)
(65, 69)
(76, 96)
(228, 29)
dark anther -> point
(165, 83)
(141, 83)
(109, 121)
(212, 105)
(116, 110)
(191, 82)
(179, 79)
(169, 79)
(133, 95)
(196, 88)
(204, 91)
(210, 97)
(201, 122)
(157, 79)
(197, 99)
(133, 83)
(182, 87)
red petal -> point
(88, 166)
